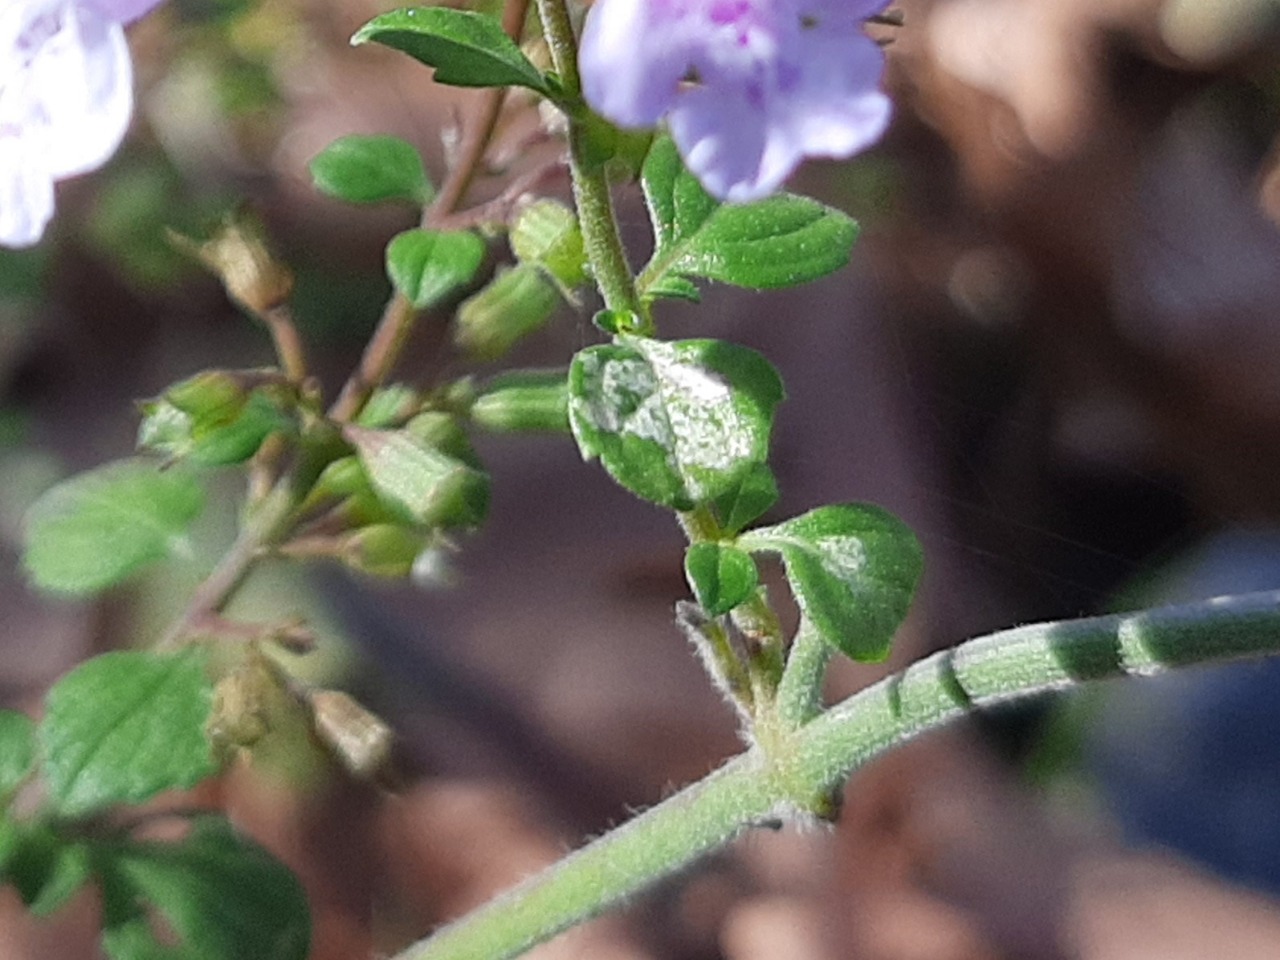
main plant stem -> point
(820, 755)
(596, 218)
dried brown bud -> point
(358, 738)
(238, 254)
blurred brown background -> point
(1055, 355)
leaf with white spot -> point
(676, 423)
(853, 568)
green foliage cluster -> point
(118, 730)
(384, 477)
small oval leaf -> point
(467, 49)
(721, 576)
(427, 266)
(747, 500)
(372, 169)
(781, 241)
(853, 569)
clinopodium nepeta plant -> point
(383, 475)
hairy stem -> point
(591, 194)
(796, 783)
(799, 696)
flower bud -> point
(217, 393)
(383, 549)
(427, 485)
(358, 738)
(546, 234)
(238, 255)
(516, 303)
(442, 431)
(526, 401)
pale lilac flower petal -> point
(634, 55)
(723, 145)
(66, 98)
(748, 88)
(85, 83)
(26, 194)
(836, 109)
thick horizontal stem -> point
(819, 756)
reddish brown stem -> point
(398, 317)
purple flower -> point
(66, 96)
(748, 88)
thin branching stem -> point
(399, 316)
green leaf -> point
(372, 169)
(781, 241)
(124, 726)
(427, 266)
(720, 575)
(221, 896)
(672, 286)
(17, 750)
(46, 869)
(747, 500)
(853, 569)
(467, 49)
(94, 530)
(427, 485)
(675, 423)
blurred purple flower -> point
(749, 88)
(66, 96)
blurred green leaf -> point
(426, 266)
(46, 869)
(467, 49)
(853, 568)
(372, 169)
(219, 894)
(95, 529)
(17, 750)
(124, 726)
